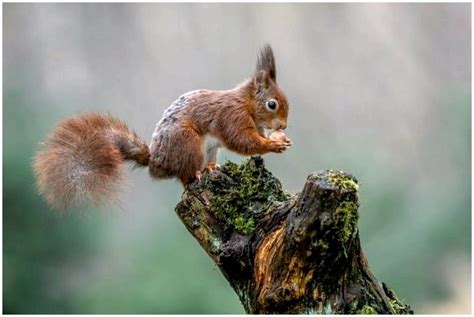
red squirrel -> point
(82, 160)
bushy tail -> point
(82, 160)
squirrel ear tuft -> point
(266, 62)
(262, 79)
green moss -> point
(327, 309)
(346, 217)
(248, 190)
(321, 245)
(367, 310)
(399, 306)
(315, 177)
(339, 179)
(216, 243)
(352, 307)
(342, 180)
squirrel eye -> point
(272, 104)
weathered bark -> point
(283, 253)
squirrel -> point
(83, 158)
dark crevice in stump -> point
(286, 253)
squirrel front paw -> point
(279, 146)
(280, 142)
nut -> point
(278, 135)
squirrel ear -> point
(266, 62)
(262, 79)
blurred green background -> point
(378, 90)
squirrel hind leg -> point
(211, 166)
(186, 181)
(180, 156)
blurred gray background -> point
(378, 90)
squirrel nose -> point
(278, 125)
(282, 126)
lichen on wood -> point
(286, 253)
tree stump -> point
(282, 253)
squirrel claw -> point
(198, 175)
(211, 167)
(280, 146)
